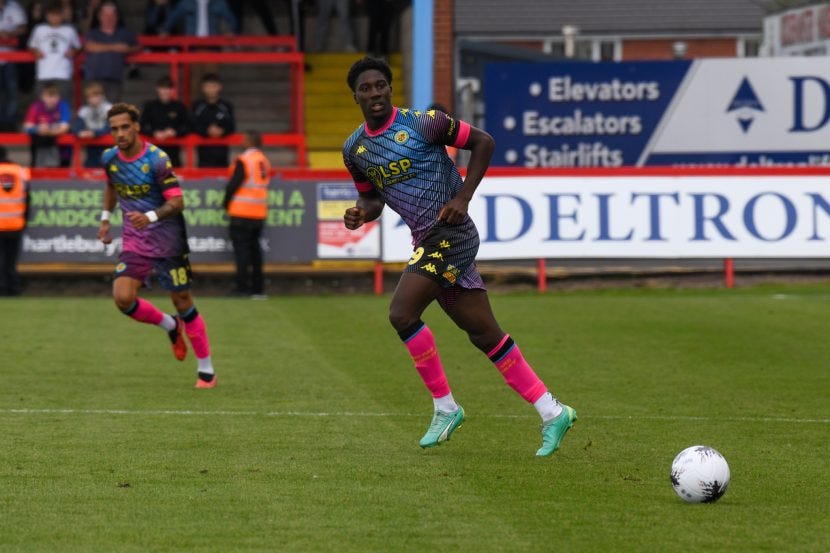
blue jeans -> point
(9, 93)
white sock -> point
(446, 403)
(168, 323)
(548, 407)
(205, 365)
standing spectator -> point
(107, 48)
(325, 7)
(47, 119)
(246, 199)
(165, 118)
(14, 211)
(54, 45)
(35, 14)
(155, 16)
(381, 17)
(12, 27)
(202, 17)
(262, 9)
(91, 121)
(213, 118)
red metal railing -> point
(180, 54)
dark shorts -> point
(447, 255)
(173, 273)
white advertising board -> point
(642, 216)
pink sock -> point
(194, 327)
(145, 312)
(516, 371)
(421, 346)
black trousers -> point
(247, 253)
(9, 252)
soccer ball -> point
(699, 474)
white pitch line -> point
(323, 414)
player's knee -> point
(400, 319)
(123, 299)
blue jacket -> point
(189, 9)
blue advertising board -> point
(712, 112)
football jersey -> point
(406, 161)
(143, 183)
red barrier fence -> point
(179, 53)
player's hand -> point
(104, 232)
(138, 219)
(454, 211)
(354, 217)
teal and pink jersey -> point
(143, 183)
(406, 161)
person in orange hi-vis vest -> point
(14, 211)
(246, 199)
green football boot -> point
(554, 430)
(442, 426)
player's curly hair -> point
(366, 64)
(122, 107)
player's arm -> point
(368, 207)
(481, 146)
(109, 204)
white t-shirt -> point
(54, 42)
(12, 16)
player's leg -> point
(130, 274)
(470, 309)
(196, 330)
(412, 296)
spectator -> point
(54, 45)
(202, 17)
(89, 16)
(91, 121)
(213, 118)
(14, 211)
(155, 16)
(381, 18)
(35, 14)
(107, 48)
(262, 9)
(12, 27)
(47, 119)
(325, 7)
(165, 118)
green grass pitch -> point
(309, 442)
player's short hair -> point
(122, 107)
(367, 64)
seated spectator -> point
(107, 48)
(46, 119)
(164, 118)
(54, 44)
(91, 121)
(199, 22)
(213, 117)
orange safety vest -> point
(13, 179)
(250, 201)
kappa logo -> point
(745, 104)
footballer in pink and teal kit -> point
(398, 158)
(140, 178)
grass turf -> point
(309, 441)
